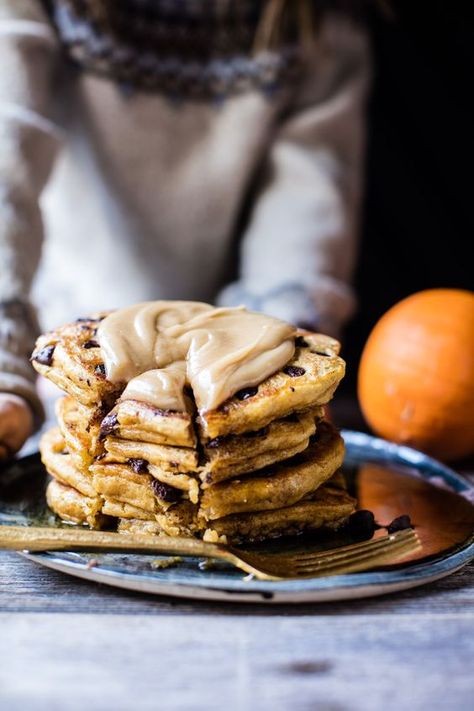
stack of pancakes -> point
(262, 464)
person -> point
(148, 139)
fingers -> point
(16, 423)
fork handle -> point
(79, 539)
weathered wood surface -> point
(67, 644)
(72, 661)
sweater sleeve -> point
(28, 142)
(299, 249)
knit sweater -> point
(117, 189)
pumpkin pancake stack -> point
(260, 464)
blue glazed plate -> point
(390, 480)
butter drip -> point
(158, 347)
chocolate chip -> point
(257, 433)
(362, 525)
(165, 492)
(139, 466)
(294, 371)
(214, 443)
(245, 393)
(400, 524)
(91, 344)
(108, 425)
(100, 370)
(300, 342)
(45, 355)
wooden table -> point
(67, 644)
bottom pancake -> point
(70, 505)
(62, 466)
(134, 526)
(329, 509)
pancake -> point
(231, 456)
(80, 428)
(134, 484)
(181, 520)
(308, 381)
(121, 483)
(70, 505)
(134, 526)
(172, 459)
(141, 422)
(60, 465)
(329, 508)
(71, 358)
(280, 485)
(119, 509)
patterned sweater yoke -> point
(190, 48)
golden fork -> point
(264, 566)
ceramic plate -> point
(388, 479)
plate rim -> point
(351, 586)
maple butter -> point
(159, 347)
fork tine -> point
(364, 560)
(374, 549)
(356, 558)
(366, 563)
(373, 544)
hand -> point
(16, 423)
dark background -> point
(418, 222)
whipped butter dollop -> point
(160, 347)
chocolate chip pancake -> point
(133, 484)
(70, 505)
(133, 526)
(142, 422)
(71, 358)
(120, 509)
(280, 485)
(80, 428)
(171, 459)
(329, 508)
(307, 381)
(61, 466)
(228, 457)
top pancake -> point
(71, 358)
(307, 381)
